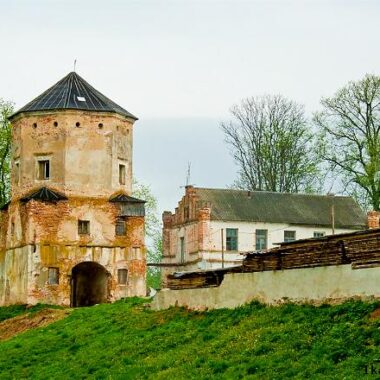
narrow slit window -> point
(43, 169)
(53, 276)
(83, 227)
(122, 174)
(122, 276)
(17, 172)
(182, 250)
(121, 229)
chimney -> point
(373, 219)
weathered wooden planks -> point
(361, 249)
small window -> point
(53, 276)
(122, 276)
(34, 125)
(182, 249)
(136, 253)
(261, 239)
(318, 234)
(77, 124)
(83, 227)
(100, 125)
(122, 174)
(231, 239)
(120, 228)
(289, 236)
(43, 169)
(55, 124)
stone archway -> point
(89, 284)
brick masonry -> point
(37, 235)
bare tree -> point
(153, 231)
(6, 109)
(272, 145)
(350, 126)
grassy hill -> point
(126, 340)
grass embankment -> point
(128, 341)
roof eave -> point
(21, 113)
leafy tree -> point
(350, 126)
(6, 109)
(272, 145)
(152, 231)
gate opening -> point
(89, 284)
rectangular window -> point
(43, 169)
(261, 239)
(120, 227)
(318, 234)
(289, 236)
(53, 276)
(122, 174)
(83, 227)
(182, 247)
(231, 239)
(136, 253)
(122, 276)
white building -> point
(210, 228)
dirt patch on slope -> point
(375, 314)
(13, 326)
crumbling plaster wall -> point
(310, 285)
(46, 235)
(24, 272)
(84, 159)
(36, 235)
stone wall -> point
(85, 150)
(316, 285)
(24, 272)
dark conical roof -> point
(73, 92)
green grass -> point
(15, 310)
(125, 340)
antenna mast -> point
(188, 174)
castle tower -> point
(72, 233)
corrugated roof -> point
(301, 209)
(73, 92)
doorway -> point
(89, 284)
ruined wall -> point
(85, 150)
(46, 235)
(14, 275)
(24, 272)
(310, 285)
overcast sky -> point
(180, 65)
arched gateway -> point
(89, 284)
